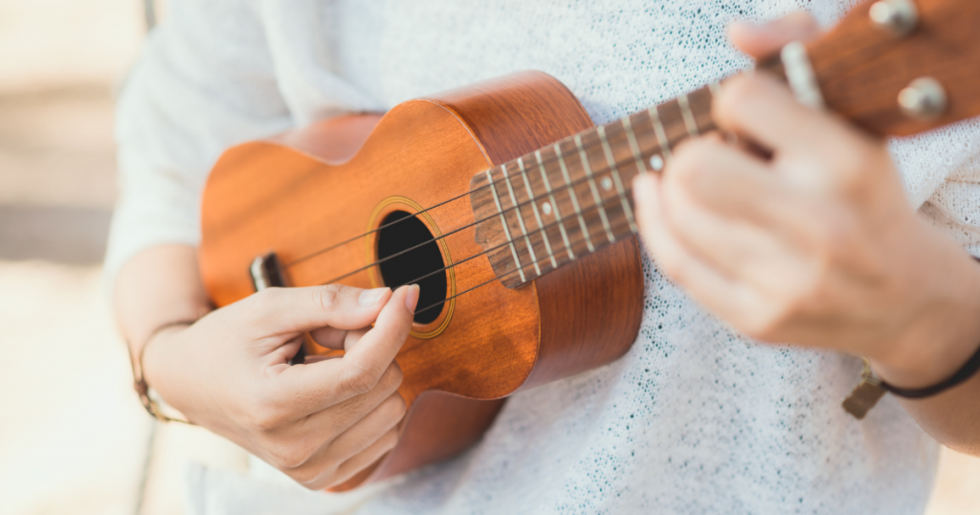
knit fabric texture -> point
(695, 419)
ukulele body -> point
(318, 187)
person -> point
(838, 246)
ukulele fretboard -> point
(574, 197)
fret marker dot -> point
(546, 207)
(657, 163)
(606, 183)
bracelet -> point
(871, 388)
(964, 373)
(866, 394)
(139, 382)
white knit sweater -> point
(694, 419)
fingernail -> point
(412, 298)
(369, 298)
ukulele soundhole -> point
(422, 265)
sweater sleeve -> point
(204, 81)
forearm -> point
(158, 286)
(952, 417)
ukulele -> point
(515, 216)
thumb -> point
(286, 311)
(761, 41)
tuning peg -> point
(897, 17)
(923, 99)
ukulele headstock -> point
(899, 67)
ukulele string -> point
(474, 256)
(444, 202)
(531, 200)
(495, 278)
(522, 267)
(525, 172)
(504, 244)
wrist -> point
(943, 335)
(159, 355)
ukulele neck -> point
(574, 197)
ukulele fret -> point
(634, 146)
(611, 161)
(574, 197)
(554, 205)
(658, 128)
(689, 123)
(595, 190)
(537, 216)
(520, 219)
(503, 220)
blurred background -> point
(73, 437)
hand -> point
(816, 245)
(320, 422)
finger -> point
(282, 354)
(334, 338)
(316, 358)
(734, 184)
(373, 353)
(332, 420)
(763, 40)
(368, 429)
(358, 371)
(739, 250)
(366, 458)
(277, 311)
(357, 439)
(337, 339)
(291, 443)
(710, 287)
(353, 338)
(759, 107)
(329, 337)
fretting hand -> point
(815, 246)
(320, 422)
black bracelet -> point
(964, 373)
(961, 375)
